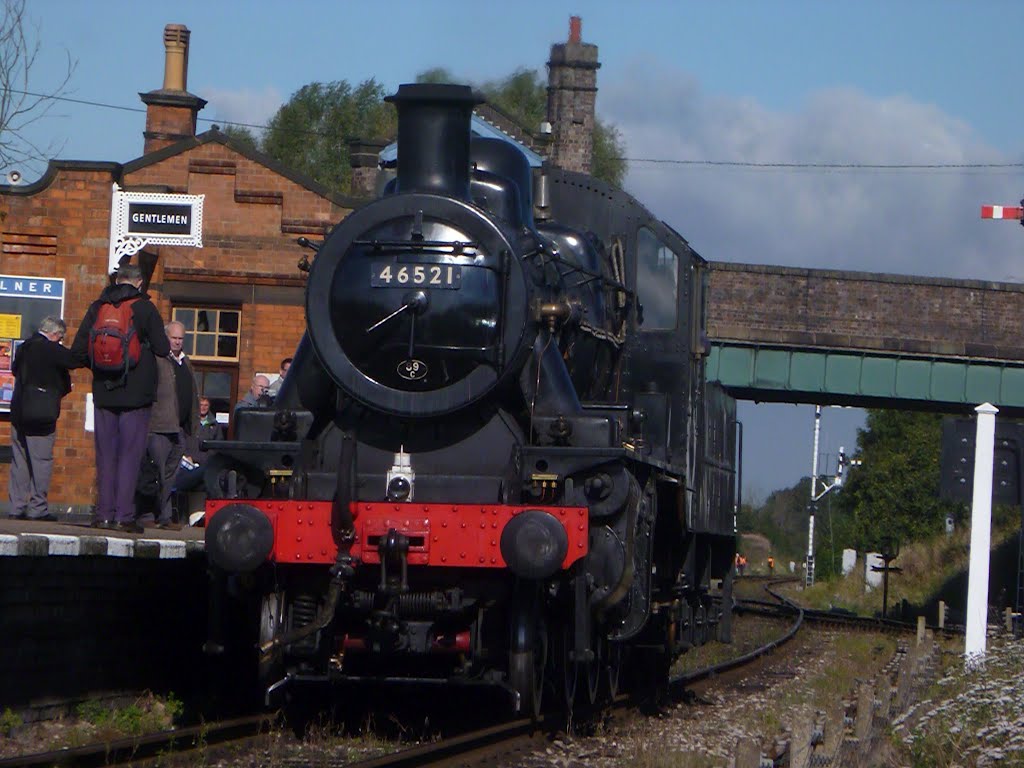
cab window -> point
(657, 282)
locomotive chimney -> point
(433, 137)
(171, 111)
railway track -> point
(499, 744)
(496, 744)
(238, 732)
(833, 619)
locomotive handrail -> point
(456, 248)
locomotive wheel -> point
(613, 668)
(700, 625)
(527, 660)
(270, 666)
(567, 670)
(595, 667)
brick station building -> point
(240, 296)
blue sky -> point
(808, 82)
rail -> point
(133, 749)
(477, 746)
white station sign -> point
(138, 219)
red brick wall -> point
(252, 217)
(864, 311)
(62, 231)
(271, 334)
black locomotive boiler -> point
(495, 459)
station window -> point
(210, 334)
(218, 383)
(657, 282)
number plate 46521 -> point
(389, 275)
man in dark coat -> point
(40, 371)
(122, 402)
(174, 419)
(190, 474)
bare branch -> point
(21, 105)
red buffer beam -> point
(1002, 212)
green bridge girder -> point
(865, 379)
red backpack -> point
(114, 346)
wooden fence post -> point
(748, 753)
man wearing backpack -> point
(119, 337)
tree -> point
(311, 132)
(608, 162)
(896, 490)
(22, 104)
(436, 75)
(240, 134)
(782, 519)
(524, 96)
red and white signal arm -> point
(138, 219)
(1002, 212)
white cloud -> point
(909, 222)
(247, 105)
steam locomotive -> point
(495, 459)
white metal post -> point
(809, 562)
(981, 535)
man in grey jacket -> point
(174, 419)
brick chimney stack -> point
(171, 111)
(363, 155)
(572, 98)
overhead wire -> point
(708, 163)
(824, 166)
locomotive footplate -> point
(439, 535)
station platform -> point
(69, 538)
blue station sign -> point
(32, 287)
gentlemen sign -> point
(157, 219)
(138, 219)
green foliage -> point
(896, 490)
(436, 75)
(92, 712)
(522, 95)
(782, 519)
(311, 132)
(609, 159)
(9, 721)
(148, 714)
(833, 534)
(242, 135)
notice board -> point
(24, 301)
